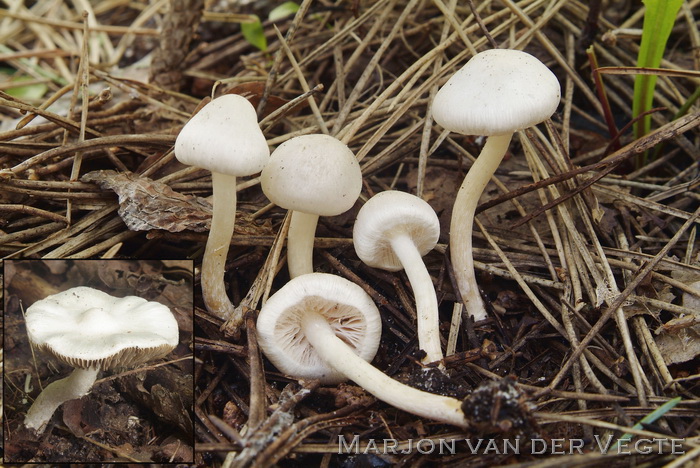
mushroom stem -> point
(214, 262)
(424, 292)
(343, 359)
(300, 243)
(55, 394)
(462, 221)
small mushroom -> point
(495, 94)
(393, 231)
(225, 138)
(90, 331)
(322, 326)
(311, 175)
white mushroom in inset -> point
(393, 231)
(90, 331)
(322, 326)
(496, 93)
(311, 175)
(225, 138)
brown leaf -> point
(167, 392)
(146, 204)
(81, 416)
(679, 345)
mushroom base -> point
(342, 358)
(55, 394)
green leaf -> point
(254, 34)
(28, 92)
(283, 10)
(659, 17)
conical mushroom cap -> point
(224, 137)
(85, 327)
(496, 92)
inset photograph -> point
(98, 362)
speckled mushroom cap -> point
(386, 214)
(315, 174)
(348, 309)
(224, 137)
(85, 327)
(496, 92)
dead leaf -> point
(167, 392)
(676, 324)
(679, 345)
(678, 340)
(174, 450)
(146, 204)
(81, 416)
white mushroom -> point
(393, 231)
(90, 331)
(311, 175)
(321, 326)
(225, 138)
(496, 93)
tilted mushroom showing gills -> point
(393, 231)
(311, 175)
(225, 138)
(90, 331)
(496, 93)
(322, 326)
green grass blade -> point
(659, 18)
(648, 419)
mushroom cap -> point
(349, 310)
(386, 214)
(85, 327)
(496, 92)
(224, 137)
(315, 174)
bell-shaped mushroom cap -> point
(496, 92)
(315, 174)
(85, 327)
(348, 309)
(224, 137)
(389, 213)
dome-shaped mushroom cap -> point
(349, 310)
(85, 327)
(496, 92)
(315, 174)
(388, 213)
(224, 137)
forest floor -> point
(586, 246)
